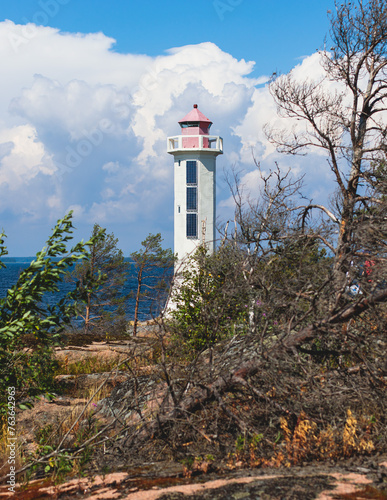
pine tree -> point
(101, 279)
(153, 265)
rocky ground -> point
(166, 481)
(357, 478)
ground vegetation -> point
(275, 352)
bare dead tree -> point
(348, 123)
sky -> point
(90, 90)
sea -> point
(148, 307)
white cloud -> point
(25, 158)
(78, 210)
(86, 127)
(46, 51)
(263, 111)
(53, 202)
(220, 80)
(76, 108)
(111, 167)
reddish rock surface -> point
(311, 482)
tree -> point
(285, 265)
(313, 352)
(348, 123)
(101, 280)
(211, 299)
(153, 267)
(29, 326)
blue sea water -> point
(9, 276)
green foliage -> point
(210, 298)
(60, 463)
(29, 326)
(3, 249)
(101, 280)
(23, 310)
(232, 291)
(152, 265)
(297, 269)
(244, 442)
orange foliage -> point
(307, 442)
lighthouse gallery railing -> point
(205, 142)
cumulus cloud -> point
(220, 80)
(263, 110)
(86, 127)
(318, 178)
(47, 51)
(24, 157)
(74, 108)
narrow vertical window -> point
(192, 197)
(192, 177)
(192, 225)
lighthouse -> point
(194, 152)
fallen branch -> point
(201, 395)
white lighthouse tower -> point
(195, 153)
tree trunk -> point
(139, 281)
(87, 315)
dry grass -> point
(89, 365)
(71, 425)
(306, 442)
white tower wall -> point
(206, 203)
(194, 153)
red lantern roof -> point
(195, 116)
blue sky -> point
(273, 33)
(90, 91)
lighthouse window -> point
(192, 197)
(192, 225)
(189, 124)
(192, 172)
